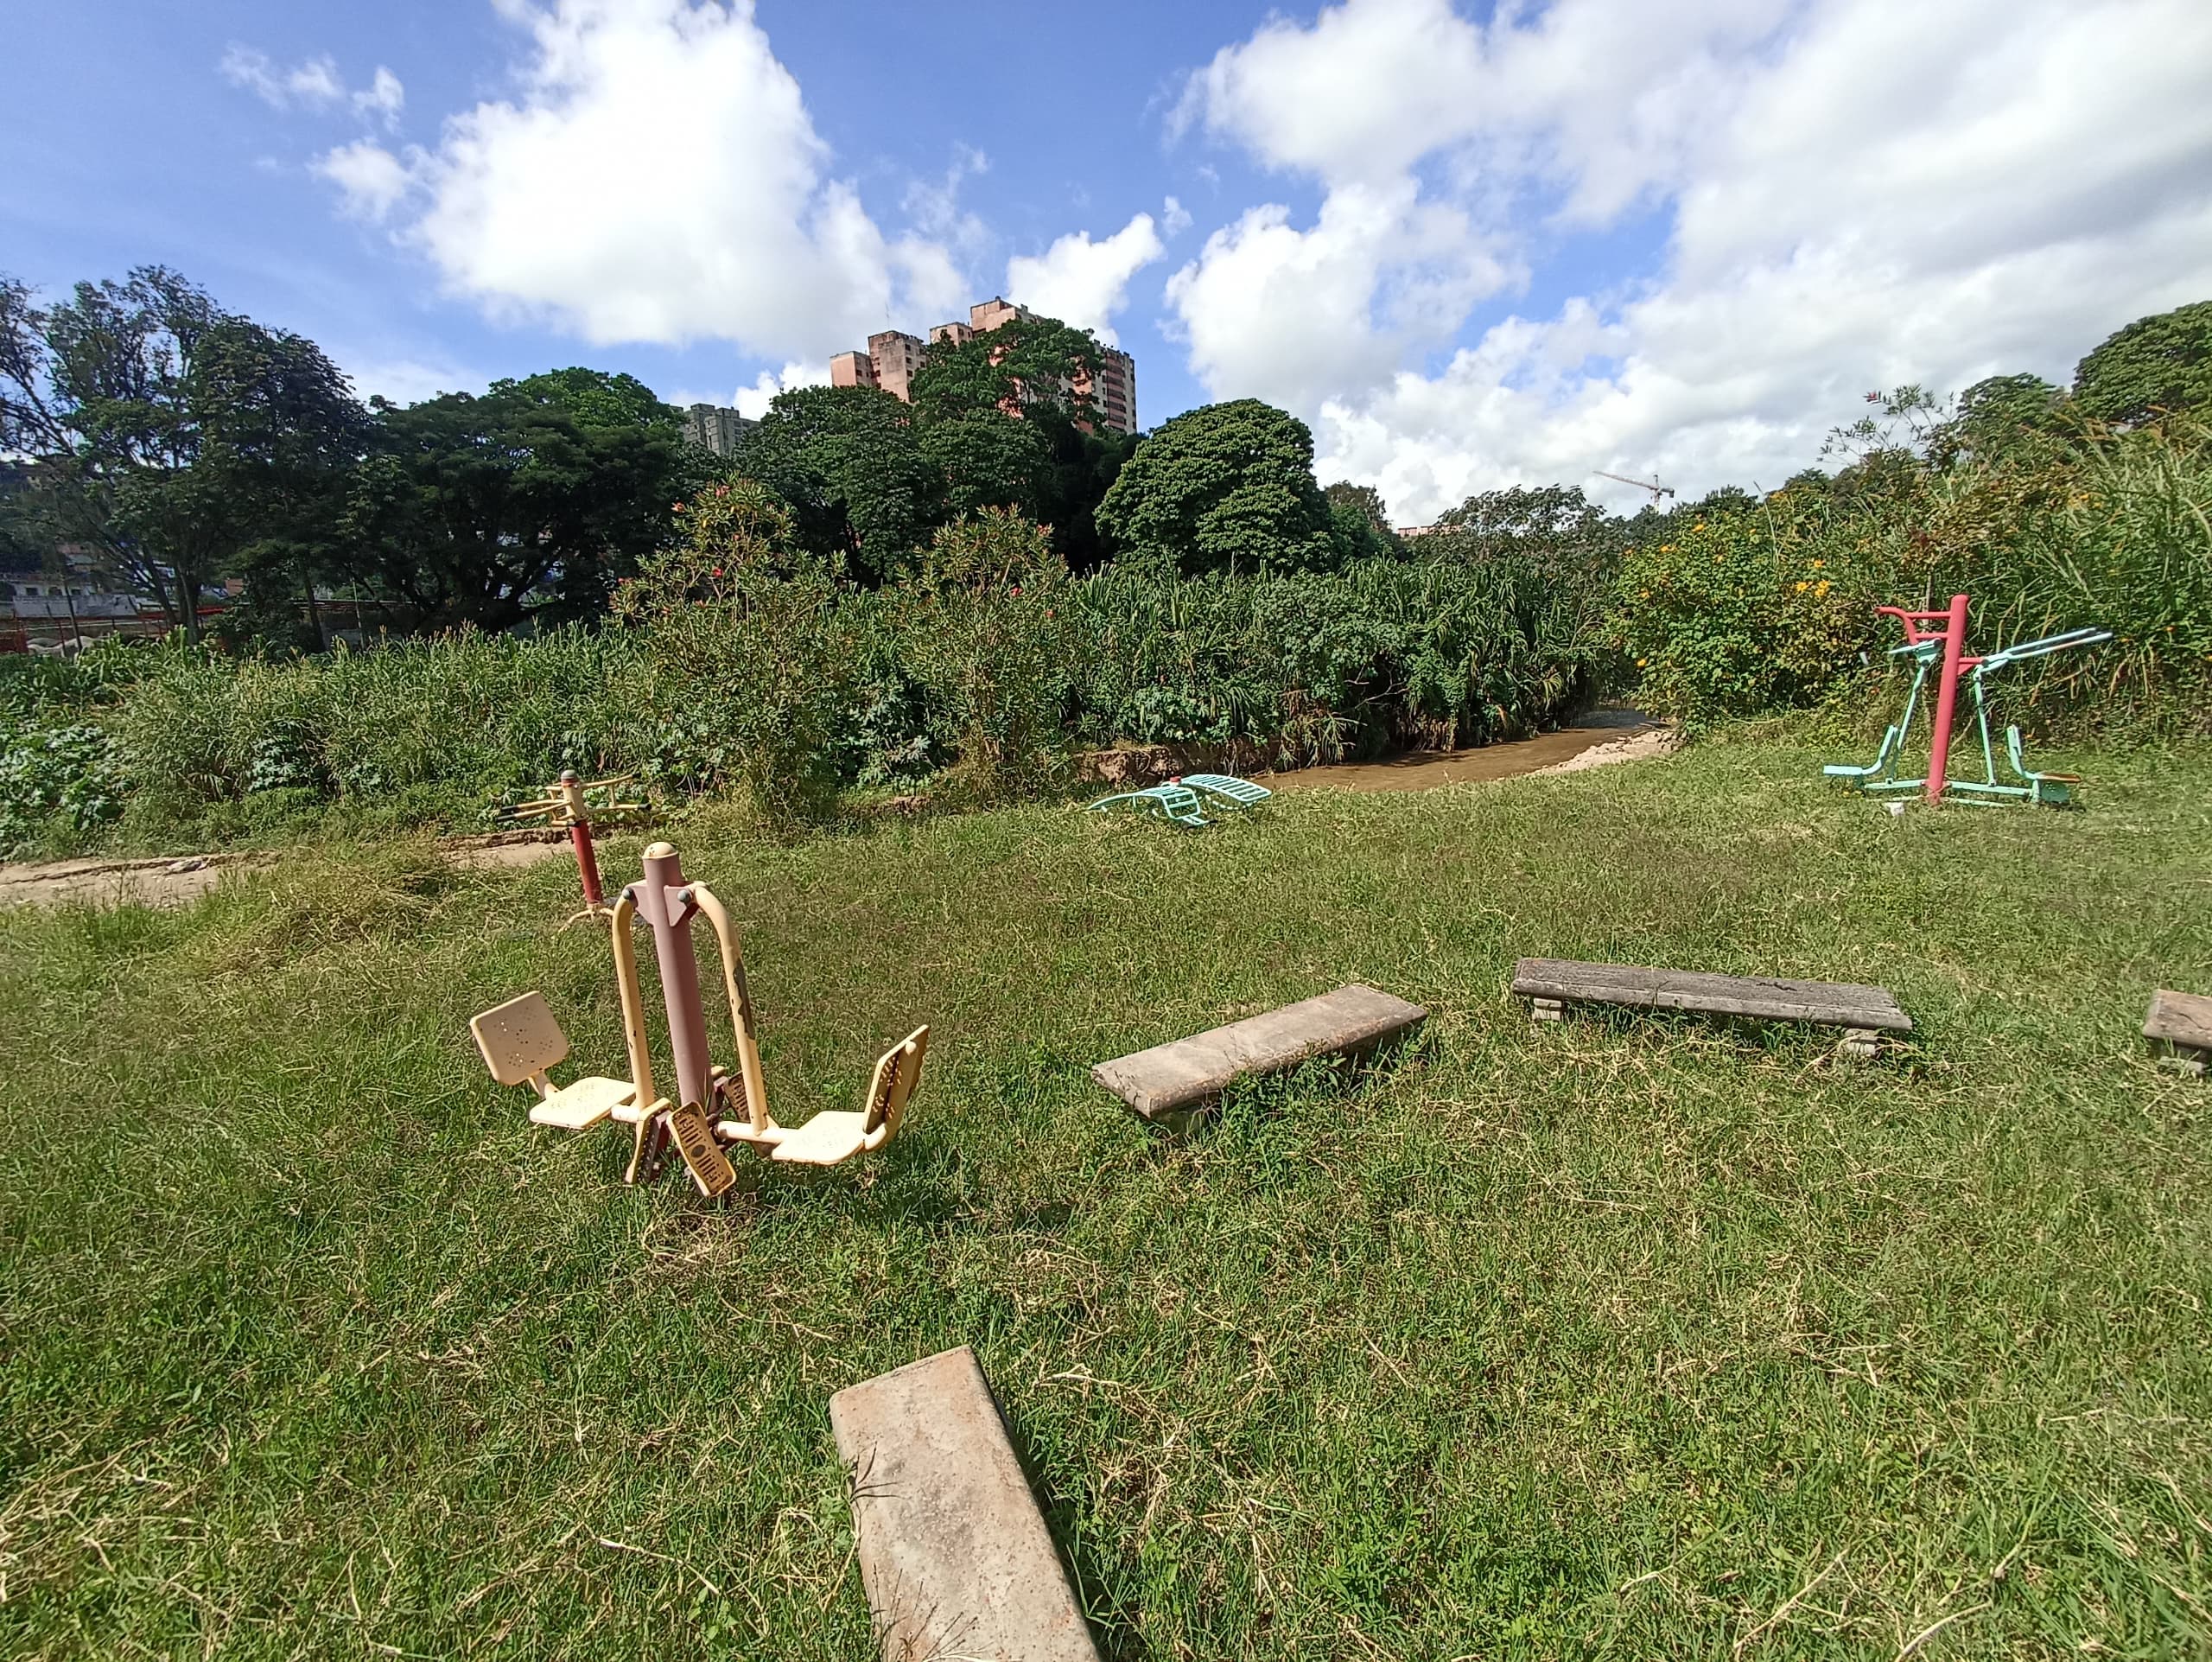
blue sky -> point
(1472, 246)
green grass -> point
(1620, 1337)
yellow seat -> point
(831, 1138)
(824, 1140)
(584, 1102)
(519, 1041)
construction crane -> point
(1652, 484)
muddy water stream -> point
(1425, 769)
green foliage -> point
(1225, 488)
(2126, 544)
(989, 640)
(1031, 364)
(180, 441)
(55, 773)
(1723, 619)
(2159, 366)
(596, 398)
(487, 511)
(847, 461)
(1313, 665)
(1361, 521)
(1772, 605)
(2003, 418)
(743, 655)
(987, 459)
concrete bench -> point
(1865, 1013)
(2180, 1026)
(954, 1554)
(1167, 1082)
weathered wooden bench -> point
(2180, 1027)
(955, 1556)
(1865, 1013)
(1168, 1082)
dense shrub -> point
(1754, 606)
(988, 642)
(738, 641)
(55, 779)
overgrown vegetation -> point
(1749, 605)
(1627, 1337)
(960, 593)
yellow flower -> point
(1801, 588)
(1824, 587)
(1817, 564)
(1639, 663)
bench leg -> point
(1546, 1010)
(1860, 1044)
(2186, 1060)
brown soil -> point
(171, 881)
(1605, 737)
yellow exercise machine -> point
(520, 1041)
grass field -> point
(1626, 1338)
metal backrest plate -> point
(519, 1039)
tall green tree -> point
(1061, 459)
(1998, 418)
(170, 436)
(507, 507)
(598, 398)
(1362, 521)
(850, 464)
(1224, 488)
(1034, 365)
(2155, 365)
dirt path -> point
(168, 880)
(1605, 737)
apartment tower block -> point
(893, 356)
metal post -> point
(587, 863)
(570, 790)
(666, 902)
(1946, 698)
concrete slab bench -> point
(1551, 985)
(1166, 1083)
(2179, 1026)
(954, 1554)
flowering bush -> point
(1726, 618)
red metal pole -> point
(587, 863)
(1946, 698)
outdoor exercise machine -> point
(567, 804)
(520, 1041)
(1935, 642)
(1178, 799)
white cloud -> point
(933, 205)
(1862, 191)
(312, 84)
(1297, 317)
(1174, 218)
(1082, 282)
(372, 180)
(753, 401)
(655, 177)
(408, 380)
(382, 98)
